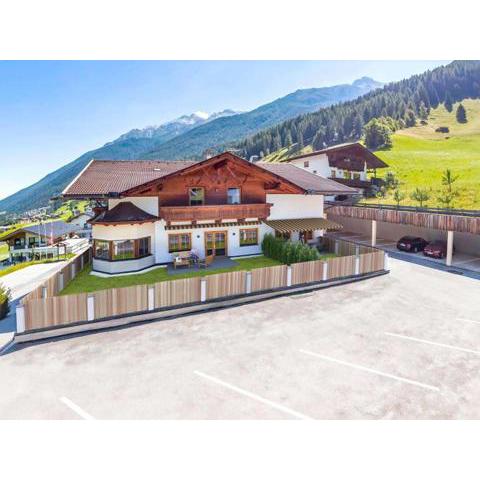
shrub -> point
(4, 301)
(442, 130)
(286, 251)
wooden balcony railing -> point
(214, 212)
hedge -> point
(286, 251)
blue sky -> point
(53, 111)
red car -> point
(411, 244)
(436, 249)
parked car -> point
(411, 244)
(436, 249)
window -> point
(233, 196)
(356, 176)
(179, 242)
(123, 249)
(102, 249)
(347, 174)
(334, 173)
(306, 164)
(143, 247)
(248, 236)
(196, 195)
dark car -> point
(436, 249)
(411, 244)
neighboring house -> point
(347, 164)
(38, 237)
(223, 205)
(81, 224)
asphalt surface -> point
(400, 346)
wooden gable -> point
(216, 175)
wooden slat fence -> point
(269, 277)
(307, 272)
(372, 262)
(120, 301)
(339, 267)
(226, 284)
(177, 292)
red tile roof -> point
(112, 177)
(124, 212)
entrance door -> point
(216, 243)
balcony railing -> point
(214, 212)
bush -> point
(286, 251)
(4, 301)
(442, 130)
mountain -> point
(188, 137)
(232, 128)
(131, 145)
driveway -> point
(399, 346)
(20, 283)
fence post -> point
(20, 314)
(357, 265)
(336, 247)
(151, 298)
(44, 292)
(203, 289)
(81, 262)
(72, 270)
(90, 307)
(289, 276)
(325, 271)
(248, 282)
(385, 261)
(60, 281)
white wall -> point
(316, 164)
(198, 240)
(147, 204)
(295, 206)
(124, 232)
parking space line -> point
(246, 393)
(79, 411)
(444, 345)
(371, 370)
(470, 260)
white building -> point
(154, 210)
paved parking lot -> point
(399, 346)
(461, 262)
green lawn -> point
(419, 156)
(84, 282)
(3, 251)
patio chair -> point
(206, 262)
(181, 259)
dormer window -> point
(233, 196)
(196, 195)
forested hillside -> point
(404, 103)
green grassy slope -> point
(419, 156)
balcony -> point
(214, 212)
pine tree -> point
(461, 114)
(422, 111)
(300, 140)
(448, 103)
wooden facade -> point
(436, 221)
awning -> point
(190, 226)
(302, 224)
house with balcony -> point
(350, 164)
(149, 212)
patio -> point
(218, 263)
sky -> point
(51, 112)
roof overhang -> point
(302, 224)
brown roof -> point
(102, 178)
(336, 154)
(124, 212)
(308, 181)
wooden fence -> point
(52, 310)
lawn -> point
(3, 251)
(84, 282)
(419, 156)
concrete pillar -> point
(336, 247)
(325, 271)
(374, 233)
(357, 265)
(20, 314)
(44, 292)
(289, 276)
(60, 281)
(90, 307)
(72, 269)
(151, 298)
(203, 289)
(248, 282)
(449, 248)
(385, 261)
